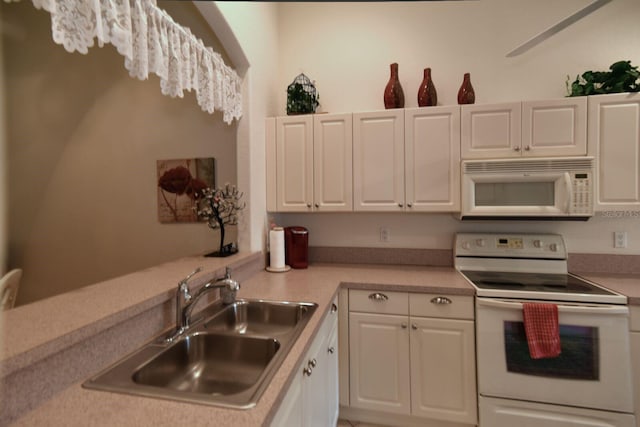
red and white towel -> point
(542, 329)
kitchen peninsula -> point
(51, 347)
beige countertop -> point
(75, 406)
(625, 284)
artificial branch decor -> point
(220, 207)
(622, 77)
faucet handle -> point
(228, 272)
(190, 275)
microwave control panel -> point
(582, 189)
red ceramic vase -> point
(427, 95)
(466, 95)
(393, 94)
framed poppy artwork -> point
(178, 182)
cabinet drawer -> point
(441, 305)
(382, 302)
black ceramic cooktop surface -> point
(533, 282)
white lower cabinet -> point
(312, 398)
(412, 356)
(634, 323)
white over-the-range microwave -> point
(528, 189)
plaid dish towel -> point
(542, 329)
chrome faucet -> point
(185, 302)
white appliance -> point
(590, 382)
(543, 188)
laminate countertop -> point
(76, 406)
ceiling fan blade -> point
(597, 4)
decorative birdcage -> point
(302, 96)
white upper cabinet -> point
(332, 162)
(309, 163)
(614, 140)
(556, 127)
(294, 163)
(491, 131)
(378, 160)
(432, 159)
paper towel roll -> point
(276, 247)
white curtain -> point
(151, 42)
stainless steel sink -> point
(259, 317)
(226, 359)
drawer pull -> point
(378, 297)
(334, 308)
(332, 350)
(441, 300)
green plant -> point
(300, 101)
(622, 77)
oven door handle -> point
(564, 308)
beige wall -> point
(347, 48)
(83, 140)
(4, 230)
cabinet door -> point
(378, 161)
(290, 412)
(332, 162)
(556, 127)
(443, 374)
(294, 163)
(432, 159)
(379, 368)
(614, 138)
(332, 391)
(491, 131)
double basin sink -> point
(225, 359)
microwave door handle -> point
(569, 191)
(562, 308)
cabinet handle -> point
(378, 297)
(313, 363)
(307, 371)
(317, 205)
(409, 205)
(414, 326)
(403, 325)
(308, 205)
(441, 300)
(400, 205)
(527, 148)
(331, 350)
(516, 148)
(334, 308)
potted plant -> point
(621, 77)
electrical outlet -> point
(619, 239)
(385, 234)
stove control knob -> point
(537, 244)
(553, 247)
(481, 242)
(466, 245)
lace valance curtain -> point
(151, 42)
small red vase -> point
(393, 94)
(466, 95)
(427, 95)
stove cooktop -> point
(540, 286)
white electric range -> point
(590, 382)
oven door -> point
(593, 370)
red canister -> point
(296, 247)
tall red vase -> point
(466, 95)
(427, 95)
(393, 94)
